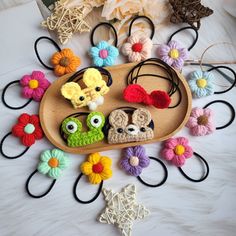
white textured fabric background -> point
(179, 208)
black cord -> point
(108, 25)
(231, 109)
(152, 26)
(92, 199)
(202, 178)
(5, 155)
(182, 29)
(37, 53)
(162, 181)
(37, 196)
(3, 97)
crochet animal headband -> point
(118, 129)
(52, 163)
(173, 53)
(177, 150)
(134, 159)
(33, 88)
(103, 53)
(201, 120)
(64, 61)
(72, 133)
(28, 130)
(138, 47)
(96, 87)
(135, 93)
(97, 168)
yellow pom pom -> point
(201, 83)
(179, 149)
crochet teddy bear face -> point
(123, 131)
(72, 128)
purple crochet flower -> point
(134, 160)
(173, 54)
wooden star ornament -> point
(122, 209)
(189, 11)
(66, 21)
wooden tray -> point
(54, 108)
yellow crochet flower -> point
(97, 168)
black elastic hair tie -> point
(37, 53)
(148, 20)
(203, 177)
(162, 181)
(37, 196)
(3, 96)
(231, 109)
(105, 24)
(88, 201)
(10, 157)
(185, 28)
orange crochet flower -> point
(65, 62)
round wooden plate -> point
(54, 108)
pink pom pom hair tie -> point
(173, 53)
(134, 159)
(177, 150)
(33, 87)
(138, 47)
(201, 122)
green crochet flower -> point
(52, 162)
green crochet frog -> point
(72, 128)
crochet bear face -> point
(123, 131)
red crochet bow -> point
(137, 94)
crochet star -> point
(122, 209)
(66, 21)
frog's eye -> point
(71, 127)
(96, 121)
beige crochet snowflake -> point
(66, 21)
(122, 209)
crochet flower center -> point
(33, 84)
(201, 83)
(65, 61)
(202, 120)
(53, 162)
(134, 161)
(103, 53)
(137, 47)
(179, 149)
(98, 168)
(29, 129)
(174, 53)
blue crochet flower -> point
(104, 54)
(200, 83)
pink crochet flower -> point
(176, 150)
(138, 48)
(200, 122)
(173, 54)
(34, 85)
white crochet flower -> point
(138, 48)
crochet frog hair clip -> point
(118, 129)
(138, 47)
(96, 87)
(135, 93)
(134, 159)
(71, 129)
(52, 163)
(64, 61)
(97, 168)
(177, 150)
(201, 121)
(104, 54)
(28, 130)
(33, 87)
(173, 53)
